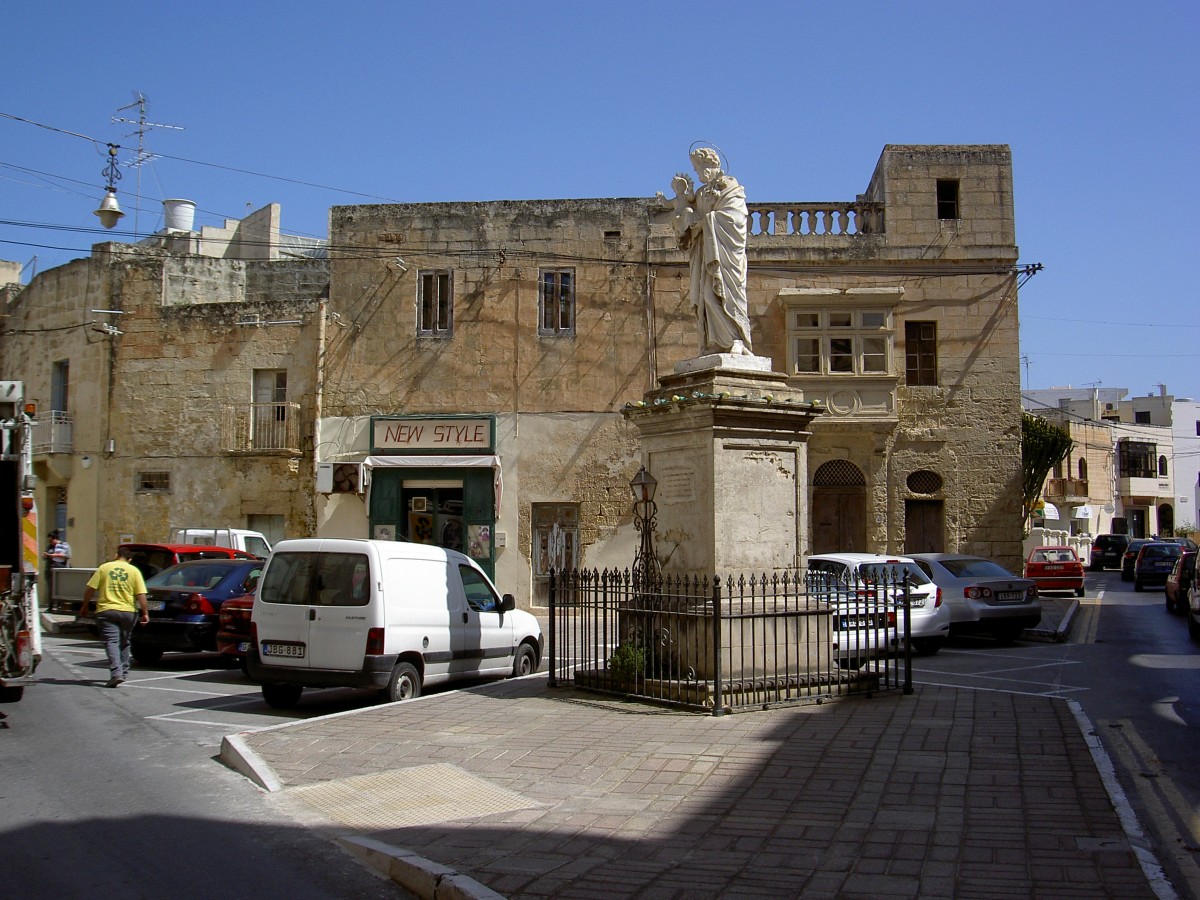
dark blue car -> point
(185, 605)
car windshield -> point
(200, 576)
(1161, 551)
(974, 567)
(892, 573)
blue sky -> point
(366, 102)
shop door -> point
(555, 545)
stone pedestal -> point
(727, 440)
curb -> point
(423, 877)
(1059, 634)
(236, 754)
(1159, 883)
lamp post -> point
(645, 565)
(110, 211)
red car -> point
(1055, 569)
(233, 628)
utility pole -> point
(142, 156)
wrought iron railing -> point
(722, 645)
(53, 432)
(250, 427)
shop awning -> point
(1048, 512)
(1081, 512)
(432, 462)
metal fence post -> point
(718, 703)
(552, 646)
(908, 684)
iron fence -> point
(723, 645)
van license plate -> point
(274, 648)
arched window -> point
(1162, 467)
(1082, 469)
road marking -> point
(1089, 624)
(1175, 822)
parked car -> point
(1129, 557)
(1107, 550)
(150, 559)
(1154, 563)
(1183, 573)
(1185, 542)
(185, 601)
(1192, 609)
(234, 633)
(1055, 568)
(929, 624)
(982, 595)
(389, 615)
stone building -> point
(457, 372)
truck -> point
(253, 542)
(20, 621)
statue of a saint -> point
(711, 223)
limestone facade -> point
(463, 367)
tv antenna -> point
(141, 156)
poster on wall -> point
(420, 527)
(385, 532)
(479, 541)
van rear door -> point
(313, 610)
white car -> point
(866, 573)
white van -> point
(336, 612)
(253, 542)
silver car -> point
(983, 596)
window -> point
(1162, 466)
(1142, 417)
(270, 409)
(920, 353)
(480, 596)
(1082, 469)
(435, 306)
(556, 301)
(154, 482)
(1136, 459)
(947, 198)
(840, 342)
(60, 381)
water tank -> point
(178, 215)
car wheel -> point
(405, 683)
(1079, 592)
(12, 694)
(1193, 627)
(928, 646)
(525, 662)
(282, 696)
(1137, 584)
(1172, 606)
(1005, 633)
(147, 656)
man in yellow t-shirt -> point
(120, 591)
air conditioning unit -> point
(339, 478)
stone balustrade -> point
(791, 219)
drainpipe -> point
(318, 403)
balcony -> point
(261, 428)
(1067, 489)
(806, 219)
(53, 432)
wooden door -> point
(924, 531)
(839, 520)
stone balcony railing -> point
(1066, 488)
(793, 219)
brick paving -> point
(944, 793)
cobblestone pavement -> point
(521, 790)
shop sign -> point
(438, 434)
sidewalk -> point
(515, 789)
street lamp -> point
(645, 564)
(110, 211)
